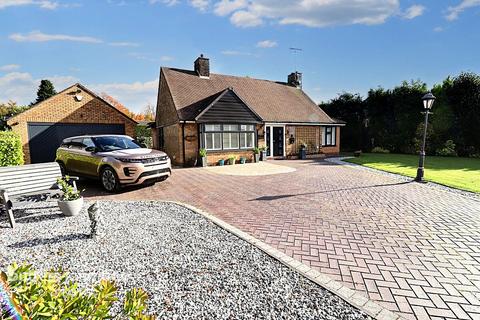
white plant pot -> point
(71, 208)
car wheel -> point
(63, 169)
(109, 179)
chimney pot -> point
(202, 67)
(295, 79)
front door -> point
(277, 141)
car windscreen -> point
(115, 143)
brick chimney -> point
(295, 79)
(202, 67)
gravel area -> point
(191, 268)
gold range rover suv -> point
(116, 160)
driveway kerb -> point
(352, 297)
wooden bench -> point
(28, 180)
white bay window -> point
(228, 136)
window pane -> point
(213, 127)
(324, 137)
(230, 141)
(230, 127)
(250, 140)
(217, 140)
(243, 142)
(208, 141)
(246, 127)
(334, 131)
(234, 139)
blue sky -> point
(118, 46)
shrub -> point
(448, 149)
(70, 193)
(11, 152)
(52, 296)
(202, 152)
(380, 150)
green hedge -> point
(11, 152)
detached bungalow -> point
(230, 115)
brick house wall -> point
(64, 108)
(335, 150)
(312, 136)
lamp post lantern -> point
(428, 101)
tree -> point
(45, 91)
(149, 113)
(349, 108)
(464, 98)
(119, 106)
(8, 110)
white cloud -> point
(44, 4)
(438, 29)
(454, 12)
(267, 44)
(124, 44)
(134, 96)
(22, 87)
(413, 12)
(315, 13)
(245, 19)
(9, 67)
(167, 2)
(37, 36)
(201, 5)
(225, 7)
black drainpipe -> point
(183, 143)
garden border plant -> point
(11, 150)
(53, 296)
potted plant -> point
(264, 153)
(256, 154)
(231, 160)
(303, 151)
(203, 157)
(71, 202)
(221, 162)
(243, 160)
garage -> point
(71, 112)
(54, 133)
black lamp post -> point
(428, 101)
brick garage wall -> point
(63, 108)
(335, 149)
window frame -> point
(329, 131)
(222, 131)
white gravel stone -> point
(191, 268)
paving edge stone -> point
(355, 298)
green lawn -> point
(460, 173)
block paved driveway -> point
(413, 248)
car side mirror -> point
(91, 149)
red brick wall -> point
(64, 108)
